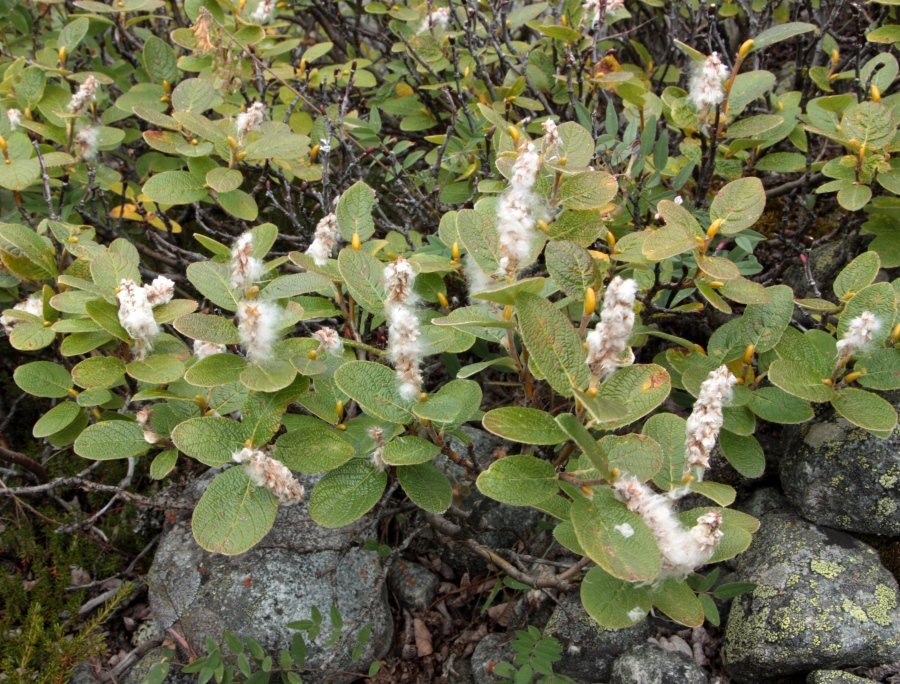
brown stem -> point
(21, 459)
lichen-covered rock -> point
(492, 649)
(589, 649)
(648, 664)
(839, 475)
(834, 677)
(296, 567)
(413, 584)
(822, 600)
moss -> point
(826, 569)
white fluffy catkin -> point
(515, 223)
(592, 8)
(34, 305)
(84, 96)
(376, 434)
(160, 291)
(251, 119)
(263, 12)
(609, 339)
(682, 550)
(257, 328)
(15, 118)
(325, 240)
(706, 419)
(203, 349)
(438, 18)
(329, 341)
(86, 141)
(705, 89)
(136, 316)
(404, 346)
(265, 471)
(245, 269)
(858, 336)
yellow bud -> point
(248, 443)
(167, 87)
(341, 426)
(852, 377)
(117, 290)
(745, 48)
(564, 20)
(592, 392)
(876, 93)
(542, 225)
(610, 239)
(442, 300)
(507, 312)
(339, 409)
(455, 250)
(47, 324)
(590, 301)
(74, 392)
(239, 156)
(232, 143)
(313, 153)
(835, 57)
(96, 413)
(62, 54)
(423, 396)
(252, 292)
(467, 72)
(699, 240)
(313, 355)
(714, 228)
(687, 478)
(2, 143)
(614, 473)
(194, 141)
(716, 283)
(740, 381)
(584, 345)
(356, 243)
(748, 353)
(73, 240)
(826, 381)
(700, 350)
(834, 77)
(514, 132)
(895, 335)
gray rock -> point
(834, 677)
(589, 649)
(762, 501)
(81, 673)
(413, 584)
(825, 262)
(647, 664)
(297, 566)
(822, 600)
(140, 670)
(492, 649)
(841, 476)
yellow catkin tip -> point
(543, 225)
(2, 143)
(610, 239)
(442, 300)
(423, 396)
(514, 132)
(455, 251)
(62, 54)
(852, 377)
(73, 392)
(313, 153)
(339, 409)
(740, 381)
(507, 312)
(248, 443)
(835, 56)
(895, 335)
(827, 381)
(167, 87)
(240, 155)
(73, 240)
(232, 143)
(341, 426)
(876, 93)
(252, 292)
(356, 243)
(313, 355)
(592, 392)
(716, 283)
(714, 228)
(590, 301)
(748, 353)
(687, 478)
(745, 48)
(586, 490)
(47, 324)
(699, 240)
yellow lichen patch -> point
(826, 569)
(854, 610)
(886, 602)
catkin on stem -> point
(706, 88)
(706, 420)
(136, 316)
(245, 269)
(404, 346)
(858, 336)
(265, 471)
(258, 328)
(515, 221)
(325, 240)
(609, 339)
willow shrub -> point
(169, 139)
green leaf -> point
(638, 389)
(376, 389)
(295, 284)
(553, 343)
(268, 376)
(867, 410)
(173, 310)
(669, 431)
(635, 454)
(615, 538)
(869, 123)
(774, 405)
(855, 196)
(211, 440)
(31, 336)
(614, 603)
(426, 486)
(800, 380)
(43, 379)
(667, 242)
(56, 419)
(175, 187)
(346, 494)
(781, 32)
(744, 453)
(586, 442)
(212, 280)
(363, 275)
(571, 267)
(722, 494)
(739, 204)
(221, 179)
(588, 190)
(194, 95)
(519, 480)
(239, 204)
(880, 370)
(884, 34)
(157, 369)
(753, 126)
(159, 60)
(110, 440)
(856, 275)
(354, 212)
(312, 450)
(409, 451)
(479, 239)
(163, 463)
(98, 371)
(73, 33)
(23, 244)
(762, 325)
(878, 298)
(215, 370)
(525, 425)
(677, 600)
(233, 514)
(506, 294)
(208, 328)
(564, 533)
